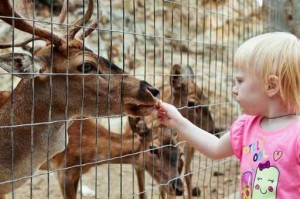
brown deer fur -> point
(145, 148)
(4, 95)
(90, 144)
(161, 157)
(185, 94)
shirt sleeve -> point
(298, 149)
(236, 136)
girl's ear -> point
(272, 85)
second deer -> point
(185, 94)
(93, 144)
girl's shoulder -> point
(246, 119)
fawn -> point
(184, 93)
(161, 159)
(89, 145)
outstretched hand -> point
(168, 114)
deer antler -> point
(78, 24)
(63, 13)
(89, 29)
(20, 23)
(20, 44)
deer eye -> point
(87, 67)
(153, 150)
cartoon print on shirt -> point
(255, 153)
(277, 155)
(246, 185)
(266, 181)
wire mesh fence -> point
(64, 123)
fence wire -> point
(65, 127)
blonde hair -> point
(276, 53)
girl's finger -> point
(159, 104)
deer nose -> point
(154, 91)
(177, 185)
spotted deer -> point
(59, 81)
(185, 94)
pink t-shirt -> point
(269, 160)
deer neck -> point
(34, 105)
(18, 136)
(179, 99)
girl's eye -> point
(238, 81)
(86, 67)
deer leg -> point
(2, 197)
(163, 194)
(75, 182)
(68, 182)
(141, 183)
(188, 175)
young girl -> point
(266, 139)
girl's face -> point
(250, 93)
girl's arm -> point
(204, 142)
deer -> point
(138, 146)
(185, 94)
(144, 147)
(39, 107)
(88, 134)
(90, 144)
(161, 159)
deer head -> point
(161, 156)
(184, 93)
(189, 97)
(59, 81)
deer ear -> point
(20, 64)
(174, 74)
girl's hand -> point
(168, 114)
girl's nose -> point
(234, 91)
